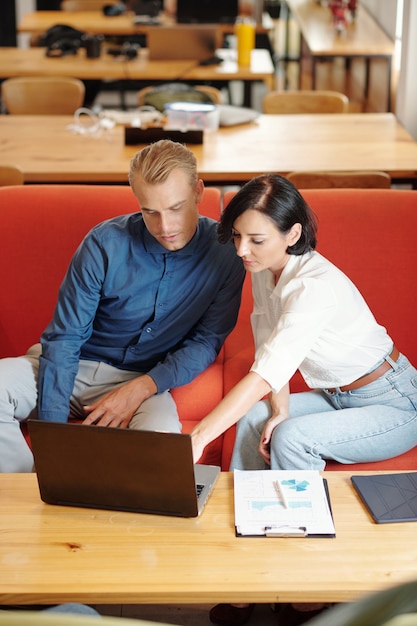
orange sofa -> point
(370, 234)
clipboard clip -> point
(285, 531)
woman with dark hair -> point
(309, 316)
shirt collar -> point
(290, 267)
(152, 246)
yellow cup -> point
(245, 35)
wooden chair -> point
(11, 175)
(212, 93)
(325, 180)
(42, 95)
(305, 101)
(60, 618)
(85, 5)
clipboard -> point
(282, 503)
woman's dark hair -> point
(278, 199)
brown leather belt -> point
(369, 378)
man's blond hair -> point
(156, 162)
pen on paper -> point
(281, 494)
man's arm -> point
(70, 327)
(202, 344)
(194, 354)
(101, 316)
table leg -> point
(247, 93)
(300, 61)
(389, 71)
(287, 44)
(313, 71)
(287, 56)
(367, 71)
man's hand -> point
(117, 407)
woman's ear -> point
(294, 233)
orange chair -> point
(177, 91)
(85, 5)
(305, 101)
(326, 180)
(42, 95)
(11, 175)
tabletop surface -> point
(52, 554)
(362, 37)
(95, 22)
(34, 62)
(49, 152)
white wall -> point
(22, 7)
(384, 12)
(406, 108)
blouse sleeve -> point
(306, 305)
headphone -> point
(63, 47)
(129, 50)
(112, 10)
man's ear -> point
(199, 190)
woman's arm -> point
(234, 405)
(279, 412)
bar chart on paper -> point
(285, 503)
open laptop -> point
(193, 42)
(121, 469)
(208, 11)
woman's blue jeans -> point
(375, 422)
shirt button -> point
(149, 329)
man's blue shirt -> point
(129, 302)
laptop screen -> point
(207, 11)
(112, 468)
(192, 42)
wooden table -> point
(49, 153)
(96, 23)
(34, 62)
(51, 554)
(363, 38)
(92, 22)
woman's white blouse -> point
(316, 320)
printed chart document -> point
(282, 503)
